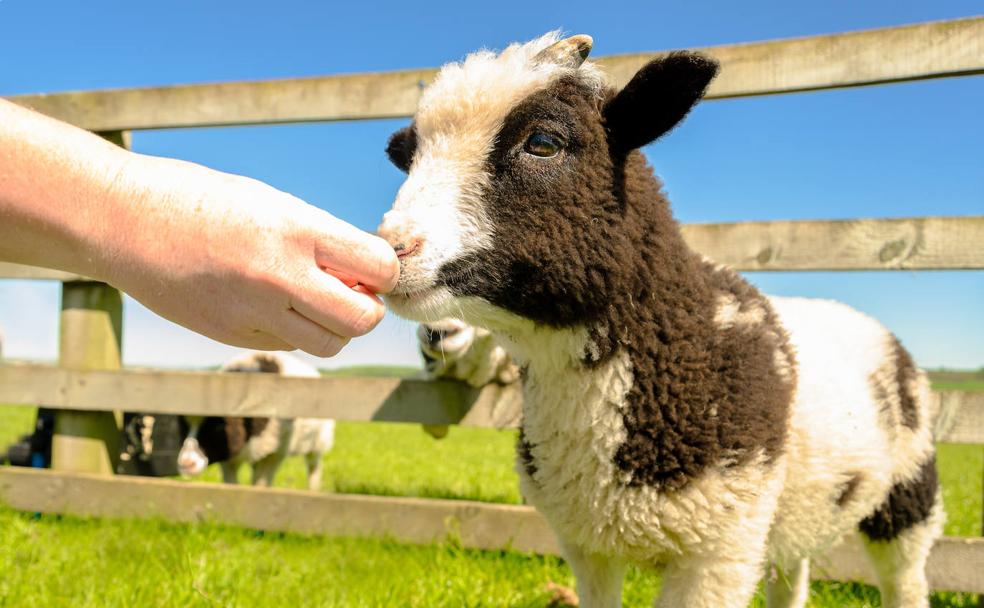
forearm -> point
(60, 193)
(224, 255)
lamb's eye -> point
(542, 145)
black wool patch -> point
(524, 451)
(908, 503)
(905, 376)
(222, 438)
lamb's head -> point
(454, 349)
(444, 340)
(515, 195)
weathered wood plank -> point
(911, 52)
(923, 243)
(961, 417)
(918, 243)
(412, 520)
(360, 399)
(895, 54)
(20, 271)
(206, 393)
(955, 563)
(90, 338)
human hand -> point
(241, 262)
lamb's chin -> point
(426, 306)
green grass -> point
(67, 561)
(372, 371)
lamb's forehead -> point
(478, 92)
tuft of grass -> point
(15, 420)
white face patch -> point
(455, 338)
(440, 206)
(191, 459)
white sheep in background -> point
(673, 415)
(261, 442)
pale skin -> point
(224, 255)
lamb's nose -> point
(406, 248)
(435, 336)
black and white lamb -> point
(673, 415)
(263, 443)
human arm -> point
(224, 255)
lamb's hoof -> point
(561, 596)
(437, 431)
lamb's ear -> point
(656, 99)
(401, 148)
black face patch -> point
(401, 148)
(585, 238)
(222, 438)
(554, 219)
(908, 503)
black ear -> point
(401, 148)
(656, 99)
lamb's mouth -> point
(421, 304)
(416, 294)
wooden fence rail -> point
(918, 243)
(955, 564)
(359, 399)
(912, 52)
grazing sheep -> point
(261, 442)
(673, 415)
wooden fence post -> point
(90, 337)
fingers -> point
(342, 310)
(354, 256)
(308, 336)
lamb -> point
(673, 415)
(453, 349)
(261, 442)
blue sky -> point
(891, 151)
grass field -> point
(66, 561)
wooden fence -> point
(88, 382)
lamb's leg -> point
(315, 466)
(599, 577)
(788, 587)
(711, 582)
(229, 472)
(900, 563)
(265, 469)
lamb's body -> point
(672, 415)
(837, 467)
(261, 443)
